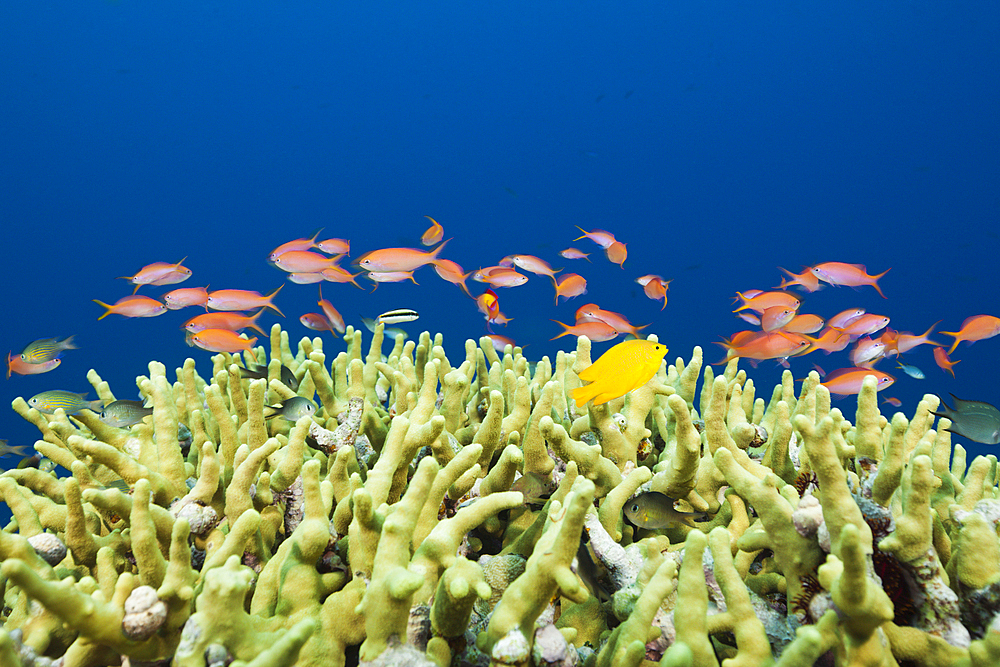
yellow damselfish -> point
(624, 367)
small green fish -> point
(293, 409)
(653, 510)
(50, 401)
(912, 371)
(535, 488)
(975, 420)
(122, 414)
(5, 449)
(46, 349)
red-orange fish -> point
(760, 345)
(434, 233)
(760, 301)
(776, 317)
(133, 306)
(616, 253)
(159, 273)
(831, 340)
(224, 340)
(851, 275)
(943, 361)
(15, 364)
(452, 272)
(489, 304)
(393, 260)
(241, 299)
(570, 285)
(847, 381)
(595, 330)
(977, 327)
(226, 320)
(186, 296)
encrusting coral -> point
(383, 529)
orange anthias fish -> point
(15, 364)
(807, 280)
(617, 321)
(868, 323)
(535, 265)
(831, 340)
(598, 236)
(901, 342)
(977, 327)
(943, 361)
(595, 330)
(616, 253)
(306, 278)
(392, 260)
(760, 345)
(655, 287)
(850, 275)
(297, 244)
(231, 321)
(452, 272)
(570, 285)
(304, 261)
(623, 368)
(132, 306)
(776, 317)
(434, 233)
(239, 299)
(186, 296)
(760, 301)
(224, 340)
(804, 324)
(335, 274)
(501, 276)
(390, 277)
(331, 313)
(573, 253)
(848, 381)
(316, 322)
(159, 273)
(335, 246)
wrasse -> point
(453, 273)
(616, 253)
(69, 401)
(397, 316)
(977, 327)
(807, 280)
(46, 349)
(850, 275)
(759, 301)
(159, 273)
(389, 332)
(943, 362)
(617, 321)
(570, 285)
(394, 260)
(17, 366)
(297, 244)
(186, 296)
(304, 261)
(595, 330)
(239, 299)
(598, 236)
(231, 321)
(434, 233)
(573, 253)
(224, 340)
(132, 306)
(848, 381)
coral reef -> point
(382, 530)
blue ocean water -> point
(719, 141)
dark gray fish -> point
(653, 510)
(589, 571)
(293, 409)
(260, 373)
(122, 414)
(975, 420)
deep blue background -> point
(718, 140)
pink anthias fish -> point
(316, 322)
(132, 306)
(453, 273)
(335, 246)
(901, 342)
(598, 236)
(848, 381)
(655, 287)
(224, 340)
(434, 233)
(776, 317)
(225, 320)
(390, 277)
(807, 280)
(535, 265)
(500, 276)
(849, 275)
(239, 299)
(332, 316)
(595, 330)
(159, 273)
(304, 261)
(977, 327)
(868, 323)
(570, 285)
(16, 365)
(306, 278)
(573, 253)
(186, 296)
(396, 260)
(617, 321)
(616, 253)
(297, 244)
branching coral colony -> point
(383, 530)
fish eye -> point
(635, 507)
